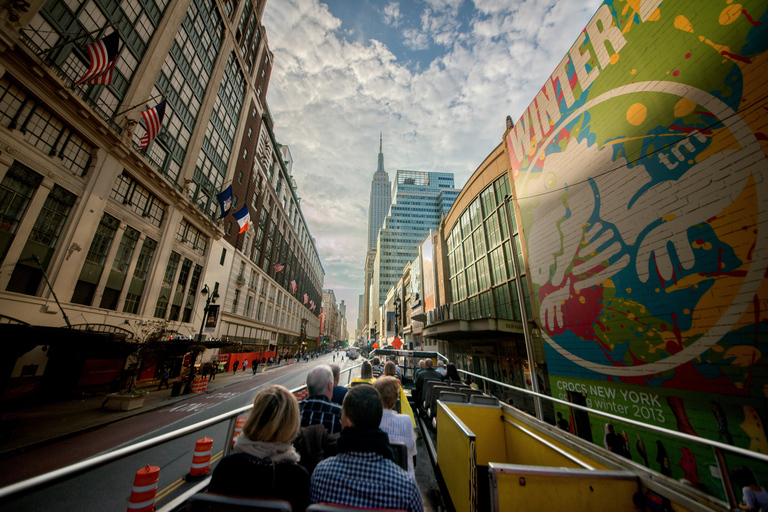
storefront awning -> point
(473, 329)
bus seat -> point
(483, 400)
(331, 507)
(210, 502)
(433, 398)
(401, 454)
(449, 396)
(469, 392)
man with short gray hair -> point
(318, 409)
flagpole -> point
(78, 38)
(139, 104)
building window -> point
(138, 198)
(223, 256)
(234, 302)
(250, 132)
(102, 240)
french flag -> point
(243, 218)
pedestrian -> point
(164, 379)
(255, 366)
(214, 370)
(245, 364)
(234, 367)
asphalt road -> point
(108, 487)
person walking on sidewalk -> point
(164, 379)
(255, 365)
(245, 364)
(214, 371)
(234, 367)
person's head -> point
(320, 381)
(743, 477)
(610, 428)
(451, 372)
(427, 364)
(376, 361)
(560, 415)
(389, 389)
(390, 369)
(440, 364)
(422, 364)
(362, 408)
(275, 417)
(366, 372)
(336, 370)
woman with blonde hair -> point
(263, 462)
(397, 426)
(390, 370)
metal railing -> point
(58, 475)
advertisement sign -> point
(390, 323)
(428, 273)
(211, 319)
(415, 285)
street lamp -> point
(210, 298)
(398, 311)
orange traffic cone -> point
(201, 460)
(238, 429)
(144, 490)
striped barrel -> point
(144, 490)
(197, 385)
(238, 429)
(201, 460)
(301, 394)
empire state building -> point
(381, 197)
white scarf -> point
(276, 452)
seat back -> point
(426, 389)
(433, 399)
(483, 400)
(469, 392)
(457, 385)
(210, 502)
(449, 396)
(331, 507)
(401, 454)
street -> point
(109, 487)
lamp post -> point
(210, 297)
(398, 311)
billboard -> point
(640, 174)
(428, 272)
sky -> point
(436, 77)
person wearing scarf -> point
(263, 462)
(364, 473)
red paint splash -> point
(672, 346)
(676, 72)
(761, 136)
(580, 318)
(658, 274)
(705, 114)
(688, 129)
(750, 19)
(735, 57)
(688, 55)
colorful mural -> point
(640, 175)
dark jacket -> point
(240, 474)
(428, 374)
(314, 444)
(339, 392)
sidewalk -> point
(36, 424)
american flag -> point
(153, 118)
(102, 54)
(306, 298)
(312, 305)
(279, 267)
(294, 286)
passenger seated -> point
(364, 473)
(405, 407)
(429, 373)
(264, 463)
(318, 409)
(338, 391)
(366, 374)
(399, 427)
(376, 367)
(451, 373)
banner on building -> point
(212, 319)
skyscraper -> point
(420, 199)
(381, 196)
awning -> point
(482, 328)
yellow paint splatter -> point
(629, 290)
(614, 58)
(631, 316)
(717, 348)
(582, 299)
(684, 107)
(730, 14)
(687, 311)
(633, 72)
(706, 245)
(682, 23)
(669, 217)
(636, 114)
(655, 15)
(743, 355)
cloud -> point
(330, 98)
(392, 15)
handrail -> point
(687, 437)
(78, 468)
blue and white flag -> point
(225, 201)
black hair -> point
(362, 405)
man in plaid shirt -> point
(318, 409)
(364, 473)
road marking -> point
(175, 485)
